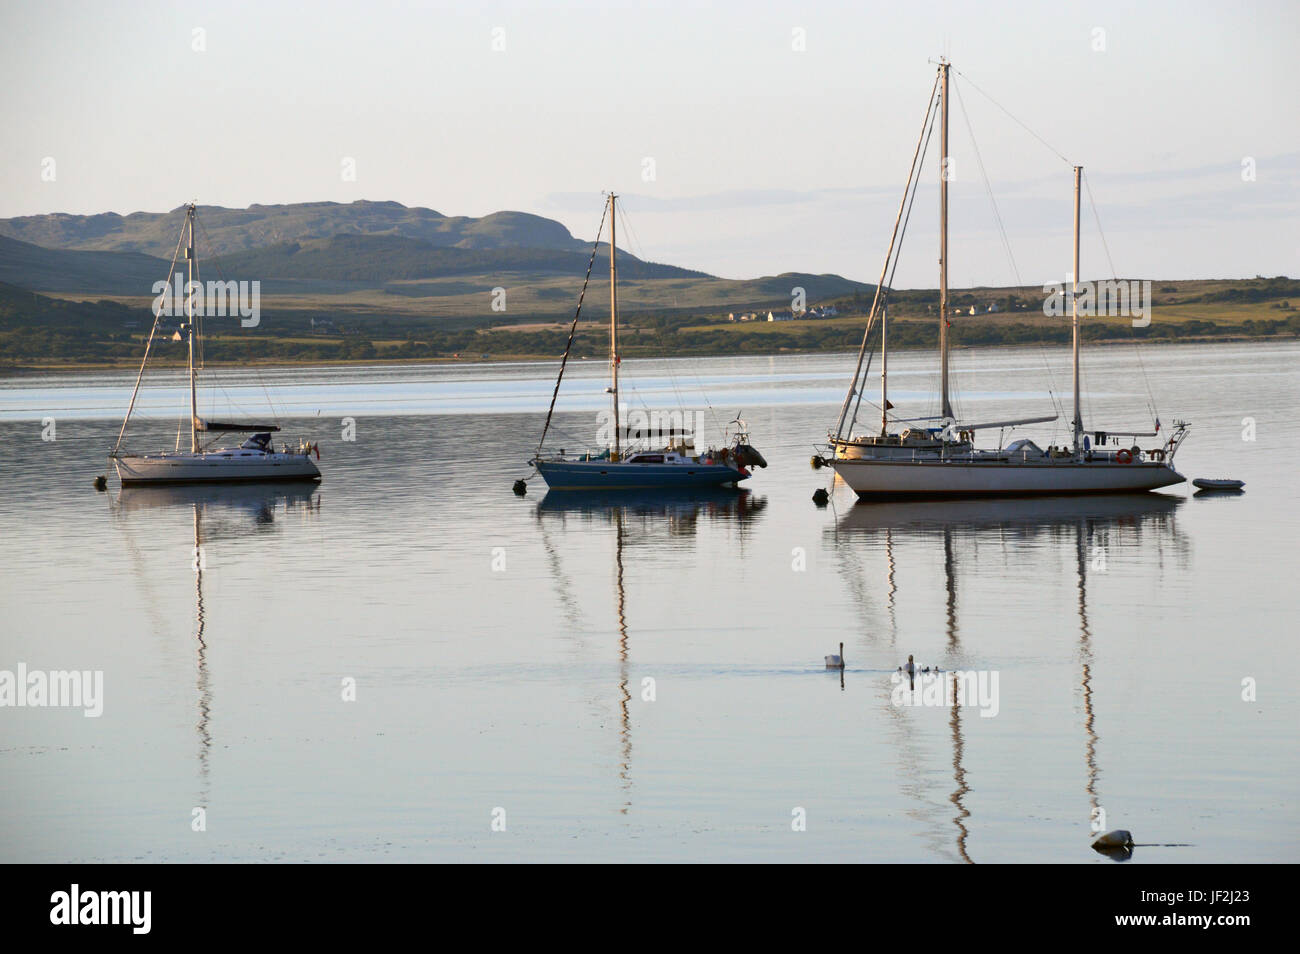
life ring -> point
(1124, 457)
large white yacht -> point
(938, 457)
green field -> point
(65, 330)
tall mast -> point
(1074, 310)
(613, 327)
(884, 371)
(946, 404)
(189, 324)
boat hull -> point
(881, 479)
(603, 475)
(214, 468)
(862, 450)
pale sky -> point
(766, 158)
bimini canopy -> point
(1024, 446)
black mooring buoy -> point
(821, 497)
(521, 488)
(101, 483)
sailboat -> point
(253, 460)
(939, 458)
(633, 460)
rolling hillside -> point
(227, 231)
(378, 259)
(89, 273)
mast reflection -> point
(218, 512)
(959, 527)
(638, 519)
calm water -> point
(500, 646)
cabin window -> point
(647, 459)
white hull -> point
(222, 466)
(965, 478)
(862, 450)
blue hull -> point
(602, 475)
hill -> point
(225, 231)
(60, 270)
(377, 259)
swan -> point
(836, 662)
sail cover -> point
(215, 426)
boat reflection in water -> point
(637, 519)
(679, 511)
(241, 506)
(220, 512)
(1089, 524)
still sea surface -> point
(643, 679)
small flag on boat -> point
(888, 406)
(1157, 425)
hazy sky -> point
(767, 158)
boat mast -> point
(1074, 311)
(884, 371)
(945, 403)
(189, 324)
(613, 327)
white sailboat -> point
(942, 460)
(674, 465)
(254, 460)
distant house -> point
(993, 307)
(779, 316)
(323, 326)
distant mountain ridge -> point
(236, 230)
(378, 258)
(385, 258)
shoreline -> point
(34, 370)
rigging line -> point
(1006, 240)
(275, 412)
(633, 238)
(875, 300)
(902, 236)
(1049, 146)
(573, 330)
(988, 187)
(1137, 345)
(707, 403)
(666, 359)
(153, 330)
